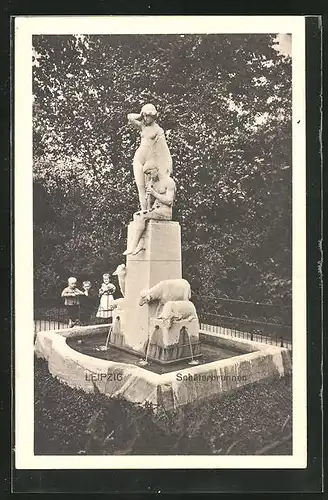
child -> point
(87, 303)
(72, 295)
(106, 298)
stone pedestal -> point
(161, 260)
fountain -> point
(146, 343)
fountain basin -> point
(225, 364)
(164, 346)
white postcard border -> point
(25, 27)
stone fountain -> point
(155, 324)
(138, 327)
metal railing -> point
(265, 312)
(52, 318)
(262, 321)
(267, 332)
(247, 335)
(41, 325)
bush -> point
(70, 421)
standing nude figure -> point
(153, 149)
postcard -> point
(160, 242)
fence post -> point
(252, 335)
(281, 342)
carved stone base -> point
(172, 354)
(167, 345)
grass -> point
(70, 421)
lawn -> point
(244, 422)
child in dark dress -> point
(87, 303)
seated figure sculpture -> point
(160, 188)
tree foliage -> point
(224, 102)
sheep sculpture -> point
(176, 311)
(164, 291)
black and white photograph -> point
(160, 242)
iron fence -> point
(41, 325)
(264, 321)
(263, 312)
(49, 318)
(247, 335)
(53, 318)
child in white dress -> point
(106, 298)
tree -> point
(225, 104)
